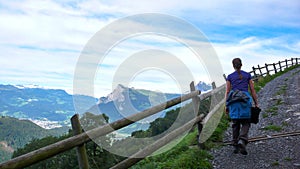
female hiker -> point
(238, 105)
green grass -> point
(282, 90)
(181, 156)
(272, 110)
(276, 163)
(295, 72)
(186, 154)
(279, 102)
(274, 114)
(265, 115)
(288, 159)
(284, 123)
(272, 128)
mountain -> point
(203, 87)
(15, 133)
(124, 101)
(44, 106)
(52, 108)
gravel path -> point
(280, 104)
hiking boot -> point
(235, 149)
(242, 147)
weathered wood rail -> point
(80, 139)
(273, 68)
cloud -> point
(147, 46)
(255, 50)
(42, 40)
(46, 24)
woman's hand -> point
(226, 110)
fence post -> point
(292, 61)
(279, 66)
(213, 84)
(286, 64)
(267, 69)
(274, 67)
(80, 150)
(255, 76)
(224, 77)
(196, 104)
(213, 99)
(259, 70)
(297, 61)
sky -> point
(45, 42)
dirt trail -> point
(280, 104)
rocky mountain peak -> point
(202, 86)
(116, 95)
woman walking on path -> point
(238, 105)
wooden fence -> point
(79, 139)
(273, 68)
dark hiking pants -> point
(240, 129)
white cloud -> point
(256, 51)
(141, 45)
(42, 40)
(48, 25)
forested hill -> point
(15, 133)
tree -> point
(97, 156)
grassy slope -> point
(186, 154)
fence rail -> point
(79, 139)
(268, 69)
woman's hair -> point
(237, 64)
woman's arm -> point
(253, 92)
(228, 88)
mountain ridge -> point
(55, 105)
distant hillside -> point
(15, 133)
(38, 103)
